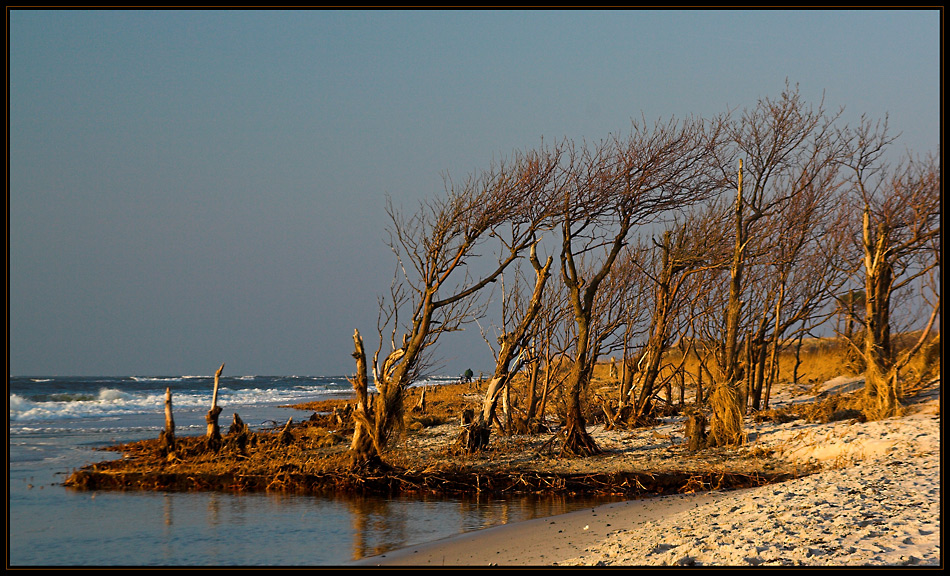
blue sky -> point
(188, 188)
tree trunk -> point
(696, 431)
(775, 345)
(681, 379)
(542, 408)
(475, 433)
(643, 414)
(286, 437)
(213, 438)
(167, 436)
(760, 354)
(238, 435)
(626, 382)
(421, 404)
(747, 368)
(577, 441)
(699, 387)
(532, 408)
(658, 343)
(495, 387)
(880, 378)
(798, 358)
(726, 425)
(237, 426)
(513, 343)
(364, 452)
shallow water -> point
(50, 525)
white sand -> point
(875, 502)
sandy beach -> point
(874, 502)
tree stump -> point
(696, 431)
(420, 406)
(213, 439)
(238, 434)
(286, 437)
(167, 436)
(474, 435)
(237, 426)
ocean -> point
(57, 424)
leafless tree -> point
(782, 146)
(618, 321)
(800, 273)
(436, 248)
(610, 190)
(687, 248)
(900, 224)
(513, 348)
(553, 338)
(623, 318)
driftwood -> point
(446, 483)
(339, 417)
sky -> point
(191, 188)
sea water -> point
(58, 424)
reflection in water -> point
(288, 529)
(167, 532)
(376, 526)
(214, 510)
(167, 508)
(381, 525)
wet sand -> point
(542, 541)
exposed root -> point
(448, 483)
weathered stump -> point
(696, 431)
(237, 426)
(213, 439)
(474, 435)
(420, 406)
(167, 436)
(343, 416)
(286, 437)
(238, 435)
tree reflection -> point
(383, 525)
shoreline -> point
(875, 502)
(869, 495)
(540, 541)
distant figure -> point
(467, 376)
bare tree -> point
(688, 248)
(436, 247)
(513, 347)
(610, 190)
(900, 222)
(619, 318)
(622, 318)
(787, 146)
(553, 340)
(800, 273)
